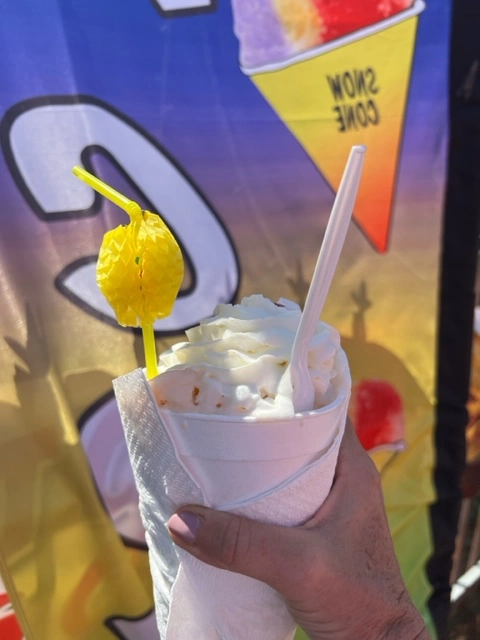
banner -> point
(233, 120)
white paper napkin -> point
(192, 599)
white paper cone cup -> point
(277, 471)
(234, 459)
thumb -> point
(238, 544)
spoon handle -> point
(303, 393)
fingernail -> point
(185, 525)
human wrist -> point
(407, 625)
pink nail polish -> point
(185, 525)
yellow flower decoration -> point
(139, 268)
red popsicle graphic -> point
(378, 416)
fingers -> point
(271, 552)
(355, 475)
(238, 544)
(353, 463)
(351, 451)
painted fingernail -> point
(185, 525)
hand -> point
(337, 572)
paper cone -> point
(236, 459)
(351, 91)
(279, 471)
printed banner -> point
(9, 625)
(233, 120)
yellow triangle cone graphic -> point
(353, 91)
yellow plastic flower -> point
(140, 269)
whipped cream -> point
(234, 362)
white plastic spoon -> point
(303, 390)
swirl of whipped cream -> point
(234, 361)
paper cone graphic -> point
(350, 91)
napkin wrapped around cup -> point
(277, 471)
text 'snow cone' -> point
(347, 93)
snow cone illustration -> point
(337, 73)
(378, 415)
